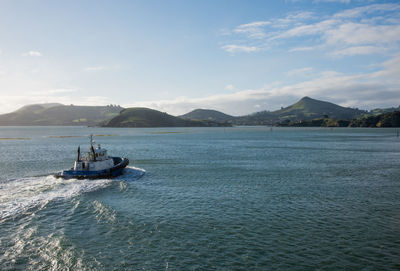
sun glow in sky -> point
(238, 57)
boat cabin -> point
(99, 154)
(95, 159)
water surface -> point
(241, 198)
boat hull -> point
(119, 165)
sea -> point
(234, 198)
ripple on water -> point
(247, 200)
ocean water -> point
(240, 198)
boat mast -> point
(91, 140)
(91, 147)
(79, 154)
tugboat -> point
(96, 164)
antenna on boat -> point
(91, 147)
(91, 140)
(79, 153)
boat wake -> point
(131, 174)
(21, 195)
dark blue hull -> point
(116, 170)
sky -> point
(237, 57)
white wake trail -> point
(19, 195)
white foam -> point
(131, 173)
(19, 195)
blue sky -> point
(235, 56)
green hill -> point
(390, 119)
(207, 114)
(379, 111)
(320, 122)
(58, 114)
(145, 117)
(304, 109)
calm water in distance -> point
(241, 198)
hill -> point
(207, 114)
(379, 111)
(34, 107)
(305, 109)
(145, 117)
(319, 122)
(58, 114)
(391, 119)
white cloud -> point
(240, 48)
(374, 8)
(252, 25)
(100, 68)
(62, 90)
(292, 19)
(302, 49)
(54, 91)
(94, 69)
(365, 90)
(333, 1)
(366, 27)
(307, 29)
(359, 34)
(32, 53)
(10, 103)
(358, 50)
(301, 71)
(229, 87)
(253, 30)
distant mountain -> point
(304, 109)
(34, 107)
(379, 111)
(145, 117)
(207, 114)
(58, 114)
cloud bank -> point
(32, 54)
(365, 90)
(371, 29)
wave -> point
(131, 174)
(47, 252)
(20, 195)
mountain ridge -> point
(207, 114)
(58, 115)
(305, 109)
(146, 117)
(65, 115)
